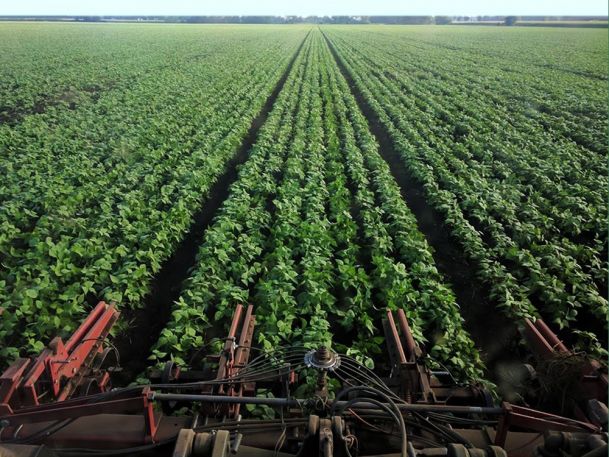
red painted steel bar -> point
(11, 378)
(550, 336)
(406, 332)
(538, 343)
(84, 328)
(235, 323)
(396, 337)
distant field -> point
(584, 24)
(320, 173)
(564, 22)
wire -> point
(397, 418)
(369, 373)
(281, 439)
(343, 380)
(103, 341)
(351, 441)
(374, 427)
(356, 368)
(447, 432)
(46, 431)
(459, 420)
(272, 352)
(271, 361)
(250, 422)
(443, 431)
(428, 441)
(275, 363)
(124, 451)
(396, 414)
(198, 351)
(433, 359)
(58, 425)
(240, 377)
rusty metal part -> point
(530, 419)
(202, 444)
(325, 360)
(459, 450)
(102, 431)
(235, 356)
(414, 377)
(292, 402)
(133, 401)
(326, 438)
(412, 350)
(221, 442)
(557, 444)
(61, 369)
(128, 417)
(593, 381)
(322, 359)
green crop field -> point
(323, 174)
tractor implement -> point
(288, 401)
(586, 399)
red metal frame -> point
(138, 401)
(545, 344)
(40, 390)
(236, 356)
(417, 384)
(542, 340)
(60, 368)
(531, 419)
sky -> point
(304, 7)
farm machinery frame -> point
(303, 401)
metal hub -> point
(322, 359)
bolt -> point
(322, 354)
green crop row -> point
(526, 202)
(111, 138)
(95, 197)
(316, 235)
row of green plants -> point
(517, 66)
(525, 142)
(544, 49)
(526, 204)
(316, 235)
(51, 66)
(95, 198)
(525, 242)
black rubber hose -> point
(376, 392)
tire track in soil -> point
(147, 322)
(495, 335)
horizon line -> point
(302, 15)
